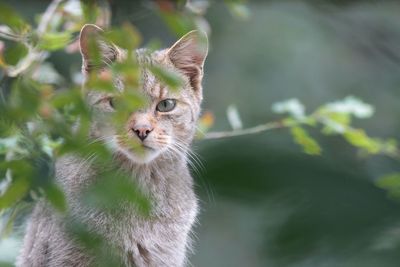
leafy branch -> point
(333, 119)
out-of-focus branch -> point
(356, 137)
(7, 34)
(252, 130)
(47, 16)
(34, 54)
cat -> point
(163, 130)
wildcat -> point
(163, 130)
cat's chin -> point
(145, 156)
(141, 155)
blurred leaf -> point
(234, 117)
(54, 40)
(95, 57)
(113, 189)
(18, 188)
(106, 255)
(170, 78)
(390, 183)
(129, 102)
(351, 106)
(9, 17)
(301, 137)
(292, 106)
(24, 100)
(6, 264)
(126, 37)
(360, 139)
(83, 234)
(7, 144)
(129, 73)
(71, 99)
(96, 83)
(179, 23)
(10, 216)
(56, 197)
(340, 118)
(14, 53)
(238, 9)
(335, 123)
(18, 167)
(90, 10)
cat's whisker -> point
(191, 154)
(191, 161)
(196, 157)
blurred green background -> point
(263, 201)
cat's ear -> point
(188, 55)
(95, 50)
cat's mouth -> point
(148, 147)
(137, 151)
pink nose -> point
(142, 131)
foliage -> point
(39, 110)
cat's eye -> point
(166, 105)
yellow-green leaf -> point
(301, 137)
(391, 183)
(169, 77)
(54, 40)
(360, 139)
(12, 19)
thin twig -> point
(252, 130)
(11, 37)
(47, 16)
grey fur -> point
(161, 239)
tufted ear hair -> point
(95, 50)
(188, 55)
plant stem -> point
(252, 130)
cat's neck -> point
(167, 182)
(164, 169)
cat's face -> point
(165, 124)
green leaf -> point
(127, 37)
(180, 24)
(360, 139)
(24, 100)
(18, 188)
(301, 137)
(334, 123)
(12, 19)
(390, 183)
(56, 197)
(167, 76)
(113, 188)
(95, 83)
(17, 167)
(14, 53)
(90, 11)
(54, 40)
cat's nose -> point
(142, 131)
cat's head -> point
(166, 124)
